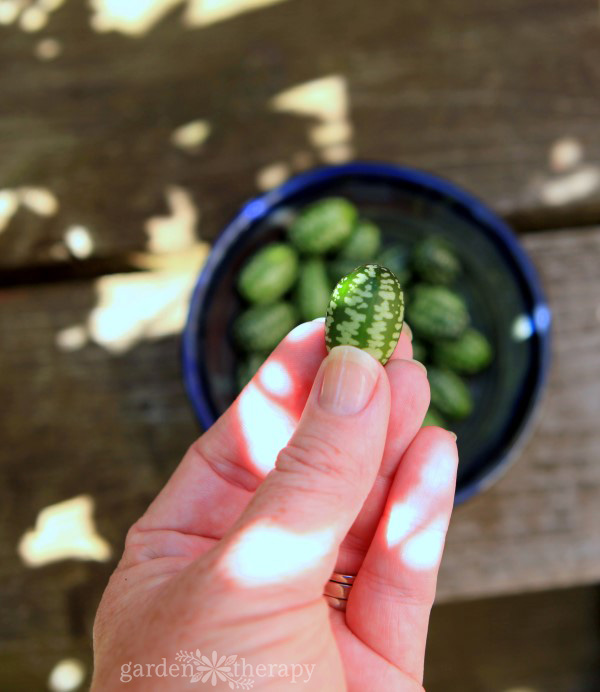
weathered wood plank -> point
(474, 91)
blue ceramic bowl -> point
(500, 285)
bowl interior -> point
(501, 302)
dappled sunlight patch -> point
(30, 16)
(48, 49)
(191, 136)
(325, 100)
(403, 518)
(423, 550)
(130, 17)
(137, 17)
(265, 425)
(272, 175)
(67, 675)
(571, 187)
(568, 179)
(205, 12)
(79, 242)
(275, 378)
(177, 231)
(139, 306)
(565, 154)
(10, 10)
(33, 19)
(268, 554)
(9, 203)
(39, 200)
(72, 338)
(337, 153)
(304, 331)
(64, 531)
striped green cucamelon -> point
(363, 243)
(432, 417)
(397, 258)
(435, 261)
(449, 393)
(313, 289)
(469, 354)
(248, 367)
(262, 327)
(436, 312)
(323, 226)
(269, 274)
(366, 310)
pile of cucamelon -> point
(286, 283)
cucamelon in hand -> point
(323, 226)
(363, 243)
(436, 312)
(366, 310)
(449, 393)
(469, 354)
(262, 327)
(269, 274)
(435, 261)
(313, 290)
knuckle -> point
(318, 461)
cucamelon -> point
(269, 274)
(363, 243)
(323, 226)
(435, 261)
(436, 312)
(261, 327)
(313, 290)
(449, 393)
(468, 354)
(366, 310)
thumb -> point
(291, 530)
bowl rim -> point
(259, 207)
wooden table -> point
(503, 98)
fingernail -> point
(453, 434)
(348, 380)
(407, 330)
(417, 362)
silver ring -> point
(337, 590)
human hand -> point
(319, 465)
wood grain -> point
(475, 90)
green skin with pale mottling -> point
(262, 327)
(366, 310)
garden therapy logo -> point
(214, 669)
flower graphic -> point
(214, 669)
